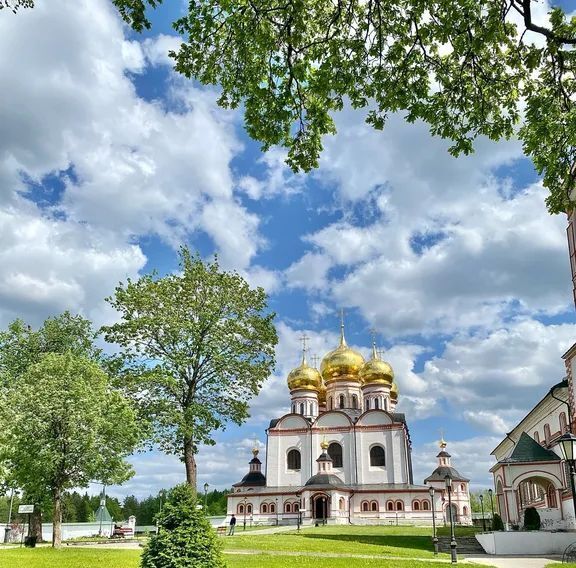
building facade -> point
(343, 454)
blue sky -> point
(109, 161)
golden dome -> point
(342, 364)
(376, 371)
(394, 392)
(304, 377)
(322, 394)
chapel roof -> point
(323, 480)
(529, 450)
(442, 471)
(252, 479)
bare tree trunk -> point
(35, 524)
(190, 462)
(57, 518)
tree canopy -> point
(468, 68)
(64, 426)
(196, 346)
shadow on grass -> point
(392, 541)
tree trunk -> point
(190, 462)
(57, 518)
(35, 523)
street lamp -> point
(567, 443)
(276, 511)
(299, 518)
(481, 497)
(206, 485)
(453, 555)
(491, 507)
(434, 537)
(244, 514)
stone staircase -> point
(466, 545)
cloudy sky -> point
(109, 161)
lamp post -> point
(206, 485)
(7, 529)
(453, 555)
(481, 497)
(567, 443)
(492, 508)
(434, 537)
(299, 518)
(276, 511)
(244, 514)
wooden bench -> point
(221, 530)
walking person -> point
(232, 525)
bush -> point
(185, 538)
(497, 524)
(531, 519)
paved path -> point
(514, 561)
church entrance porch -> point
(320, 504)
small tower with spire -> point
(377, 380)
(254, 477)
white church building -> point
(343, 454)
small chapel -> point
(343, 454)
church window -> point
(462, 487)
(465, 510)
(264, 508)
(330, 403)
(537, 437)
(341, 401)
(335, 453)
(272, 508)
(287, 508)
(376, 403)
(416, 506)
(547, 432)
(399, 506)
(293, 459)
(367, 404)
(301, 408)
(354, 401)
(295, 507)
(241, 509)
(425, 505)
(341, 504)
(563, 427)
(374, 506)
(249, 509)
(377, 456)
(365, 506)
(390, 506)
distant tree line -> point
(81, 508)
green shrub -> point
(497, 524)
(185, 538)
(531, 519)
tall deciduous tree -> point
(64, 425)
(465, 67)
(197, 346)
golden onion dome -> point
(304, 377)
(376, 371)
(341, 364)
(394, 392)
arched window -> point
(377, 456)
(365, 506)
(287, 508)
(537, 437)
(367, 404)
(335, 452)
(272, 508)
(425, 505)
(462, 488)
(376, 403)
(293, 460)
(341, 401)
(294, 408)
(249, 509)
(399, 506)
(241, 509)
(354, 401)
(341, 504)
(374, 505)
(465, 510)
(264, 508)
(301, 408)
(330, 403)
(390, 506)
(563, 427)
(295, 507)
(547, 432)
(415, 506)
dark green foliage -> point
(497, 524)
(185, 538)
(531, 519)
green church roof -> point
(529, 450)
(103, 514)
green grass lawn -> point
(97, 558)
(392, 541)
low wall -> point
(525, 543)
